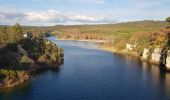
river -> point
(92, 74)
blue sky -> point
(53, 12)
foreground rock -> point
(145, 54)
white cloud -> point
(133, 10)
(56, 16)
(42, 16)
(53, 17)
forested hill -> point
(146, 39)
(117, 34)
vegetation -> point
(116, 35)
(18, 54)
(7, 73)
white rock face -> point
(156, 55)
(145, 54)
(168, 60)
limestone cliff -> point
(146, 54)
(156, 55)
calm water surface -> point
(91, 74)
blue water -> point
(91, 74)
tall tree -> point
(17, 31)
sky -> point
(71, 12)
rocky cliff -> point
(168, 60)
(156, 55)
(146, 54)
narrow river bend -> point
(91, 74)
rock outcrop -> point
(146, 54)
(156, 55)
(168, 60)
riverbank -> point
(103, 47)
(19, 77)
(129, 52)
(113, 50)
(152, 57)
(84, 40)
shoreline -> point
(104, 48)
(83, 40)
(123, 52)
(113, 50)
(28, 74)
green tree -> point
(168, 19)
(17, 31)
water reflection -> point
(159, 78)
(151, 75)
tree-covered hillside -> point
(116, 35)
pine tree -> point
(17, 32)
